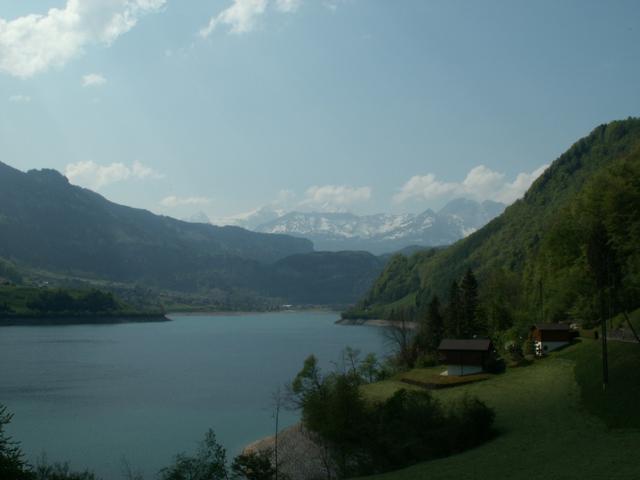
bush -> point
(427, 360)
(472, 421)
(364, 438)
(254, 466)
(495, 365)
(209, 463)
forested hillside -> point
(539, 258)
(68, 236)
(49, 223)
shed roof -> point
(551, 326)
(473, 344)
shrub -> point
(209, 463)
(427, 360)
(472, 421)
(253, 466)
(364, 438)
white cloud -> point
(92, 175)
(516, 189)
(283, 199)
(19, 98)
(481, 183)
(240, 17)
(93, 80)
(33, 43)
(331, 5)
(173, 201)
(288, 5)
(426, 187)
(334, 197)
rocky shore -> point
(299, 457)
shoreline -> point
(299, 457)
(237, 313)
(377, 322)
(31, 321)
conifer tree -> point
(12, 463)
(469, 305)
(454, 312)
(434, 325)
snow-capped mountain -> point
(251, 220)
(383, 233)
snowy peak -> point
(382, 233)
(251, 220)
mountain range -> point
(379, 233)
(51, 228)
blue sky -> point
(224, 106)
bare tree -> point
(278, 399)
(128, 472)
(399, 334)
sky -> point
(225, 106)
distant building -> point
(465, 357)
(550, 336)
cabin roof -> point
(471, 344)
(551, 326)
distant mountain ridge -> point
(384, 233)
(67, 232)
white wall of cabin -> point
(550, 347)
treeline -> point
(9, 272)
(61, 301)
(361, 437)
(568, 251)
(418, 329)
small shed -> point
(465, 357)
(550, 336)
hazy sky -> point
(365, 105)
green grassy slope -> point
(545, 415)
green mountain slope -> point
(517, 244)
(65, 234)
(47, 222)
(337, 278)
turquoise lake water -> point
(96, 394)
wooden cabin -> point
(465, 357)
(550, 336)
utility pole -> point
(605, 359)
(541, 300)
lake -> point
(96, 394)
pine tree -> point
(454, 312)
(434, 325)
(12, 463)
(469, 303)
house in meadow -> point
(465, 357)
(550, 336)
